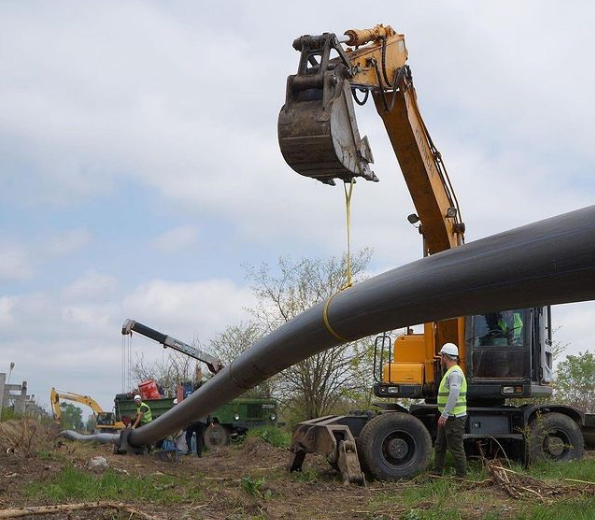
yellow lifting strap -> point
(348, 276)
(348, 194)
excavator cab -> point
(318, 133)
(503, 353)
(509, 353)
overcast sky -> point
(140, 169)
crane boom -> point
(213, 363)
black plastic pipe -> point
(549, 262)
(104, 438)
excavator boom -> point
(319, 137)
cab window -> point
(497, 344)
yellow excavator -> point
(105, 421)
(505, 354)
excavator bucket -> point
(317, 129)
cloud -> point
(136, 106)
(91, 286)
(70, 338)
(6, 306)
(572, 325)
(200, 308)
(21, 260)
(15, 262)
(176, 240)
(66, 242)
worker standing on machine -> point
(452, 404)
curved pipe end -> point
(104, 438)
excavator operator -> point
(511, 324)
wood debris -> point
(525, 487)
(68, 508)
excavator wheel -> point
(394, 446)
(554, 436)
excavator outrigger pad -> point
(332, 437)
(317, 129)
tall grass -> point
(74, 484)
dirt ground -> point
(236, 482)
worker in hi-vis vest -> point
(143, 413)
(452, 404)
(511, 324)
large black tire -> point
(554, 436)
(217, 436)
(394, 446)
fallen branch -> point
(525, 487)
(580, 481)
(61, 508)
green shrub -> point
(8, 414)
(272, 434)
(255, 487)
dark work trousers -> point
(450, 437)
(198, 428)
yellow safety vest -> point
(517, 326)
(443, 392)
(147, 416)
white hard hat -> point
(450, 349)
(175, 401)
(138, 398)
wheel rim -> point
(556, 444)
(398, 448)
(216, 436)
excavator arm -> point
(213, 363)
(68, 396)
(55, 404)
(319, 137)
